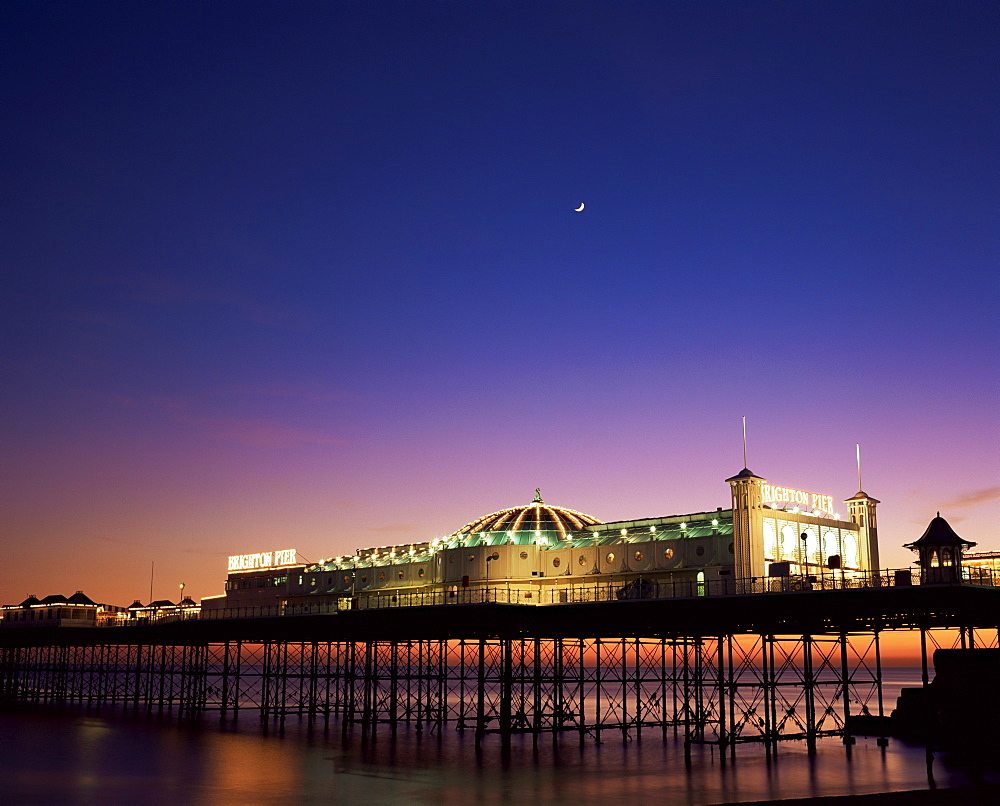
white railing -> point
(572, 593)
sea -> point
(75, 756)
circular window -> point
(420, 573)
(583, 559)
(347, 578)
(524, 555)
(495, 555)
(451, 559)
(638, 556)
(382, 577)
(400, 574)
(364, 579)
(700, 550)
(730, 548)
(668, 553)
(472, 557)
(611, 557)
(556, 562)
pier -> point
(723, 670)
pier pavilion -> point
(538, 552)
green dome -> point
(536, 516)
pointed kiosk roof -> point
(55, 598)
(938, 533)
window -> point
(638, 556)
(582, 560)
(451, 559)
(556, 562)
(524, 555)
(382, 577)
(400, 574)
(611, 556)
(420, 573)
(472, 557)
(668, 554)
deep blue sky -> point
(303, 270)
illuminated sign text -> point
(809, 501)
(262, 560)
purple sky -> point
(309, 275)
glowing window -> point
(582, 560)
(347, 578)
(420, 573)
(611, 557)
(668, 553)
(400, 574)
(638, 556)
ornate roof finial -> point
(538, 496)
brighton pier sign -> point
(262, 560)
(784, 496)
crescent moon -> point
(580, 208)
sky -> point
(310, 275)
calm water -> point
(79, 758)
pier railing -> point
(572, 593)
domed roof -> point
(536, 516)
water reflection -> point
(86, 760)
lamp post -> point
(491, 558)
(182, 593)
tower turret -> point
(861, 510)
(748, 524)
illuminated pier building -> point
(553, 554)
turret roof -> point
(745, 473)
